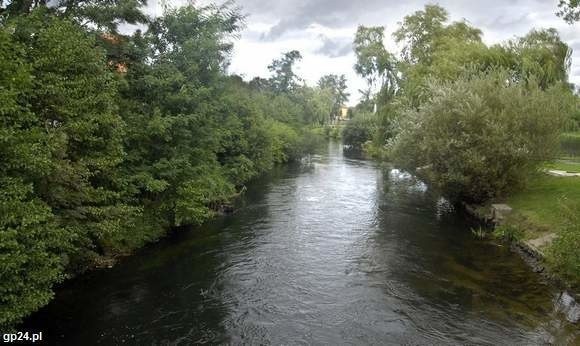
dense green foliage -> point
(481, 137)
(570, 144)
(62, 140)
(569, 10)
(110, 140)
(358, 131)
(478, 122)
(480, 117)
(564, 254)
(335, 86)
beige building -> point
(343, 113)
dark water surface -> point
(333, 251)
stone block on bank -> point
(499, 212)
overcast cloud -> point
(323, 30)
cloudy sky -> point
(322, 30)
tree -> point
(283, 79)
(319, 105)
(336, 86)
(374, 62)
(543, 56)
(569, 10)
(63, 145)
(171, 105)
(74, 101)
(31, 243)
(358, 131)
(482, 136)
(418, 32)
(424, 34)
(434, 49)
(104, 15)
(96, 161)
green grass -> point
(551, 205)
(541, 203)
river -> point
(332, 251)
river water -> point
(333, 251)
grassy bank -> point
(541, 203)
(549, 207)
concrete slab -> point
(539, 243)
(499, 212)
(557, 173)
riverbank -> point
(541, 223)
(108, 261)
(545, 217)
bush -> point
(286, 142)
(358, 131)
(564, 253)
(573, 122)
(482, 135)
(31, 245)
(570, 143)
(508, 233)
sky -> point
(323, 30)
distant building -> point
(114, 43)
(111, 38)
(120, 67)
(343, 113)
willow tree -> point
(374, 63)
(433, 48)
(569, 10)
(336, 86)
(543, 56)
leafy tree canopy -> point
(284, 79)
(100, 14)
(569, 10)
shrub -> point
(358, 131)
(31, 245)
(570, 143)
(508, 233)
(482, 135)
(286, 142)
(564, 253)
